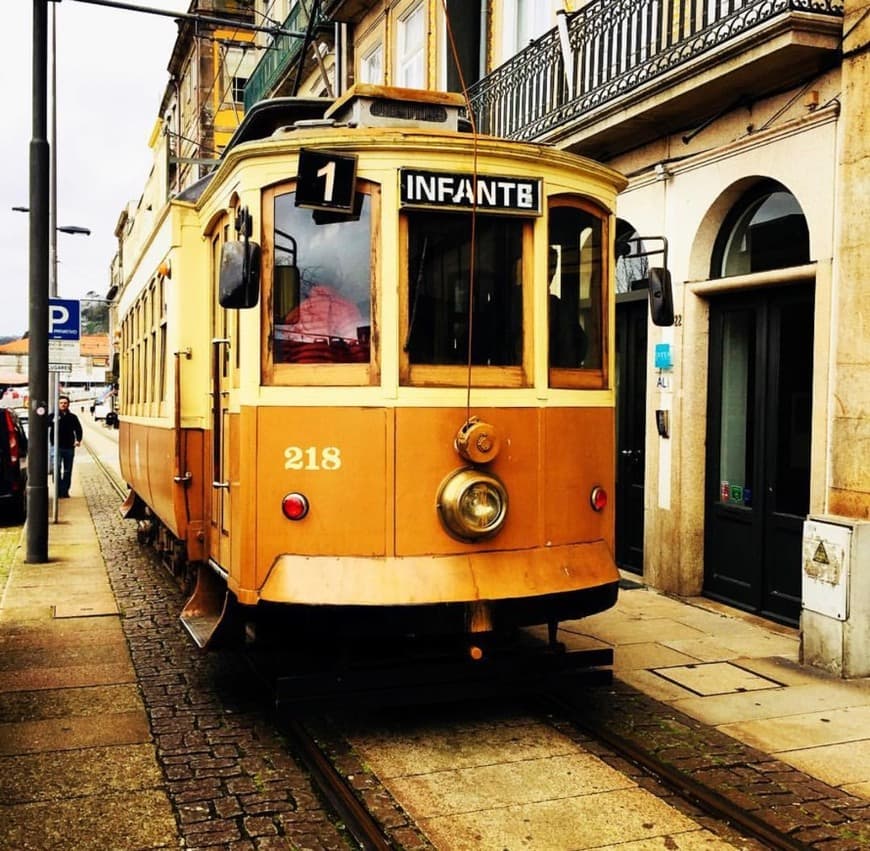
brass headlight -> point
(472, 504)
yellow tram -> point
(367, 374)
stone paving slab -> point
(440, 793)
(57, 632)
(64, 654)
(57, 775)
(67, 676)
(576, 823)
(73, 733)
(131, 820)
(66, 702)
(844, 764)
(777, 705)
(424, 749)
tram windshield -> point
(440, 273)
(321, 298)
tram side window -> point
(439, 278)
(576, 274)
(321, 284)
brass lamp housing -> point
(472, 504)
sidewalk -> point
(77, 763)
(740, 675)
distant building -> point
(91, 369)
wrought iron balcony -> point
(278, 57)
(597, 81)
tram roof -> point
(267, 116)
(260, 122)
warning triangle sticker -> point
(821, 556)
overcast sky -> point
(111, 71)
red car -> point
(13, 467)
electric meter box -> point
(835, 622)
(826, 565)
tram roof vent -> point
(364, 105)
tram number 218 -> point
(312, 458)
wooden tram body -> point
(382, 473)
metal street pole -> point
(37, 491)
(53, 382)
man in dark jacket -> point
(69, 436)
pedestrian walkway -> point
(77, 763)
(77, 759)
(740, 675)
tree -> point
(94, 314)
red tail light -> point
(598, 498)
(295, 506)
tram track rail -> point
(713, 803)
(335, 789)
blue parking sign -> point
(63, 319)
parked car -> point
(13, 467)
(23, 415)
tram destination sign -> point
(487, 192)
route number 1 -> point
(326, 181)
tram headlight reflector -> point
(598, 498)
(472, 504)
(295, 506)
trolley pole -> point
(37, 479)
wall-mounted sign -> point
(663, 358)
(463, 191)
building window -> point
(766, 229)
(371, 68)
(524, 21)
(410, 49)
(238, 86)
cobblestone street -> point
(228, 774)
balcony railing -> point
(279, 56)
(615, 46)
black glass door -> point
(758, 449)
(631, 343)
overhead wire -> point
(473, 236)
(222, 66)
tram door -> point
(224, 375)
(758, 449)
(631, 343)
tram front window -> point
(440, 275)
(576, 274)
(321, 277)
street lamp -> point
(73, 229)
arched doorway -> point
(759, 401)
